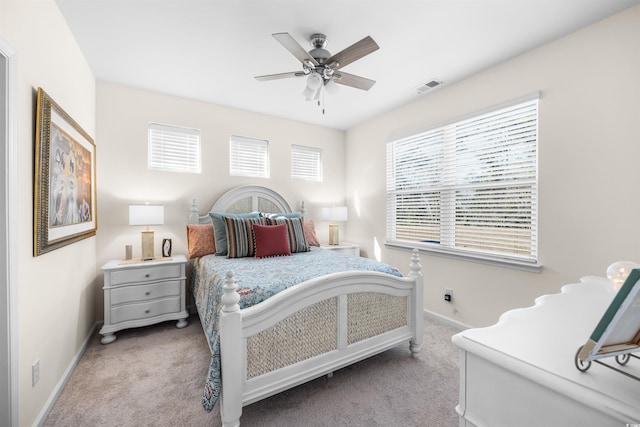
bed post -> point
(193, 212)
(418, 315)
(231, 354)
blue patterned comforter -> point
(257, 280)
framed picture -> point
(64, 194)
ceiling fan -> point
(322, 69)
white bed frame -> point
(240, 328)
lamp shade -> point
(331, 87)
(314, 81)
(334, 214)
(146, 214)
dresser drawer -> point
(147, 274)
(140, 293)
(144, 310)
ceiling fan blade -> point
(353, 81)
(279, 76)
(353, 52)
(294, 47)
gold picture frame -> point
(64, 186)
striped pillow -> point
(240, 239)
(295, 230)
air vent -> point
(431, 84)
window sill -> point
(479, 258)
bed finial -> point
(193, 212)
(415, 268)
(302, 209)
(230, 298)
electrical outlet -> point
(35, 372)
(448, 295)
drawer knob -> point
(146, 275)
(147, 311)
(147, 293)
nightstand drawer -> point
(145, 274)
(144, 310)
(139, 293)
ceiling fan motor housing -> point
(319, 53)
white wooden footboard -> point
(313, 329)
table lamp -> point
(334, 215)
(618, 272)
(146, 215)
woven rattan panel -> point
(372, 314)
(305, 334)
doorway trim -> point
(9, 224)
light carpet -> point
(154, 376)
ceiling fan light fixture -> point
(314, 81)
(331, 87)
(308, 93)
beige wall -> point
(589, 146)
(588, 150)
(56, 291)
(123, 117)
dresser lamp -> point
(334, 215)
(146, 215)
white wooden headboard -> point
(246, 198)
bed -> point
(278, 328)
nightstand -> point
(143, 293)
(347, 248)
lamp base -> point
(334, 234)
(147, 245)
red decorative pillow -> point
(271, 240)
(310, 233)
(200, 240)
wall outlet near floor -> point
(35, 372)
(448, 295)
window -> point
(306, 163)
(248, 157)
(469, 187)
(174, 149)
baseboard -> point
(42, 416)
(446, 320)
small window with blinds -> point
(248, 157)
(306, 163)
(468, 188)
(174, 149)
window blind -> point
(306, 163)
(248, 157)
(469, 187)
(173, 149)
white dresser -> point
(143, 293)
(521, 372)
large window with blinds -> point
(173, 148)
(306, 163)
(468, 187)
(248, 157)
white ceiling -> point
(210, 50)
